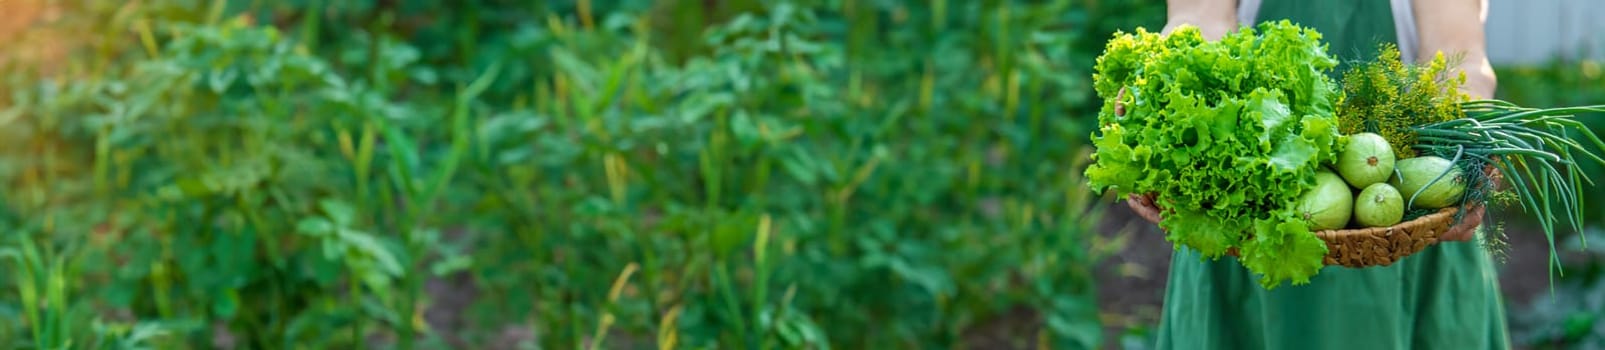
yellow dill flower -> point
(1388, 96)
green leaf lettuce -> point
(1225, 134)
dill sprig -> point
(1387, 96)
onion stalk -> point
(1535, 149)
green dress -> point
(1445, 297)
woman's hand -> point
(1467, 227)
(1214, 18)
(1144, 207)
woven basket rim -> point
(1442, 215)
(1360, 247)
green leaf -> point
(930, 278)
(1274, 115)
(1208, 235)
(451, 264)
(404, 161)
(219, 80)
(339, 211)
(369, 247)
(745, 130)
(1075, 322)
(227, 304)
(800, 166)
(1294, 153)
(1283, 249)
(315, 226)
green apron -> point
(1445, 297)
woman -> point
(1445, 297)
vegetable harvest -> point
(1246, 146)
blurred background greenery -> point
(588, 174)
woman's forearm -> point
(1480, 79)
(1214, 18)
(1455, 28)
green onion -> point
(1535, 150)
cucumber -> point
(1366, 159)
(1379, 205)
(1434, 182)
(1329, 204)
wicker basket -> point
(1376, 246)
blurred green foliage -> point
(1562, 83)
(671, 174)
(1573, 316)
